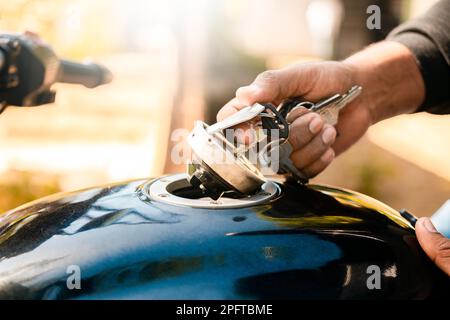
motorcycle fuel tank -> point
(159, 239)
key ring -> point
(278, 122)
(289, 105)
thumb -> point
(276, 85)
(435, 245)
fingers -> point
(276, 85)
(295, 113)
(267, 87)
(313, 156)
(310, 137)
(231, 107)
(311, 140)
(31, 34)
(242, 132)
(304, 128)
(318, 166)
(312, 81)
(435, 245)
(35, 37)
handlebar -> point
(29, 68)
(89, 75)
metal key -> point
(286, 165)
(243, 115)
(329, 108)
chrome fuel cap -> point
(217, 167)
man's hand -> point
(391, 83)
(314, 142)
(435, 245)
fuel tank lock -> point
(176, 190)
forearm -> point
(390, 77)
(428, 38)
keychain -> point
(235, 172)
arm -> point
(392, 85)
(409, 72)
(428, 38)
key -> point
(243, 115)
(329, 108)
(351, 95)
(284, 164)
(326, 102)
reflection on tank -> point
(309, 242)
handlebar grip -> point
(90, 75)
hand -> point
(314, 142)
(435, 245)
(382, 70)
(35, 38)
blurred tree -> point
(20, 187)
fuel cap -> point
(217, 167)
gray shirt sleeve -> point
(428, 38)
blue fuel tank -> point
(290, 241)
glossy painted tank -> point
(306, 243)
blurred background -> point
(178, 61)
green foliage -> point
(371, 175)
(20, 187)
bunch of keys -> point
(327, 108)
(242, 176)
